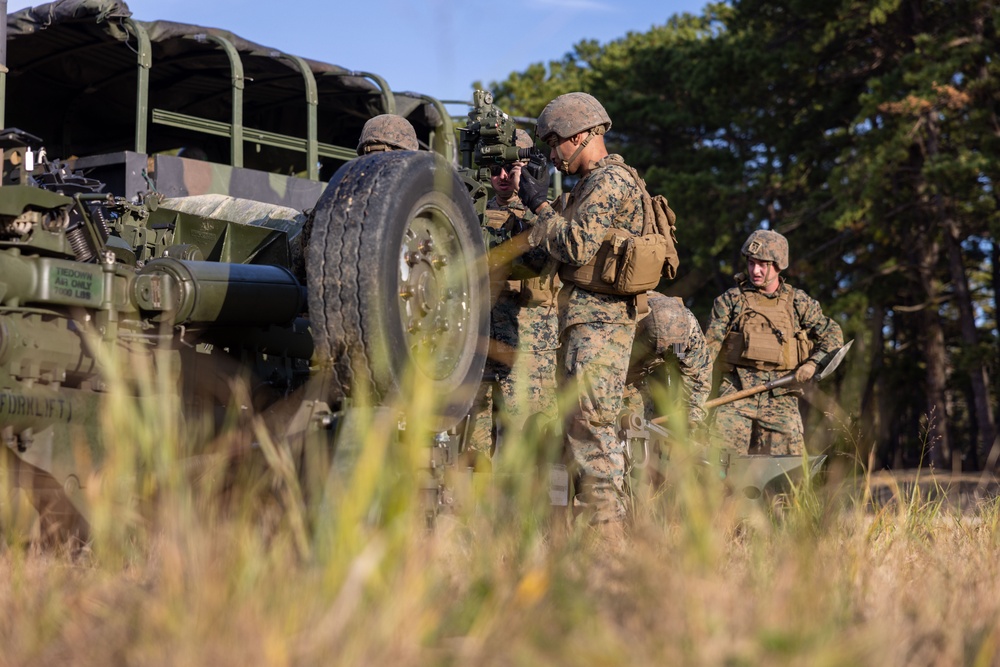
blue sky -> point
(436, 47)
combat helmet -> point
(387, 132)
(767, 246)
(522, 139)
(569, 114)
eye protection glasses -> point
(495, 169)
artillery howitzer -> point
(314, 305)
(394, 287)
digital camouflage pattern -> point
(520, 377)
(596, 330)
(775, 413)
(387, 132)
(604, 198)
(765, 245)
(594, 364)
(670, 331)
(570, 114)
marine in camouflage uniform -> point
(596, 329)
(520, 377)
(387, 132)
(669, 332)
(765, 329)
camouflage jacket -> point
(822, 330)
(671, 330)
(606, 197)
(514, 323)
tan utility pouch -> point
(761, 344)
(540, 291)
(665, 218)
(732, 348)
(495, 218)
(589, 276)
(628, 264)
(658, 218)
(640, 264)
(803, 345)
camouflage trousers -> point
(595, 362)
(759, 424)
(515, 393)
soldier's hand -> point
(805, 372)
(534, 187)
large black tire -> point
(396, 276)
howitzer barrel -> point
(200, 292)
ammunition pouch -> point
(764, 352)
(804, 346)
(624, 265)
(539, 291)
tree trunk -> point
(982, 405)
(871, 403)
(991, 458)
(938, 450)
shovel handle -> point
(834, 359)
(743, 393)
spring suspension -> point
(79, 242)
(100, 217)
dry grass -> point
(910, 586)
(266, 574)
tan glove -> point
(805, 372)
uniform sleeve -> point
(534, 261)
(823, 331)
(696, 371)
(575, 240)
(722, 313)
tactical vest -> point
(766, 335)
(626, 264)
(534, 288)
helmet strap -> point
(594, 131)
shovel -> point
(783, 381)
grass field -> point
(189, 563)
(183, 571)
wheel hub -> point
(434, 293)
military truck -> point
(177, 194)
